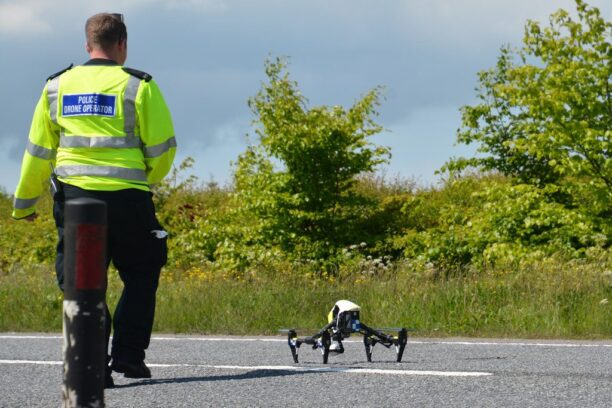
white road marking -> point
(28, 336)
(510, 343)
(31, 362)
(240, 339)
(335, 370)
(290, 368)
(284, 340)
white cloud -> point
(422, 142)
(473, 23)
(11, 148)
(443, 21)
(199, 5)
(439, 20)
(34, 17)
(23, 17)
(207, 56)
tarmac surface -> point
(206, 371)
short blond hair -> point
(104, 30)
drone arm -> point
(325, 342)
(373, 336)
(381, 337)
(313, 339)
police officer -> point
(108, 134)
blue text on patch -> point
(88, 104)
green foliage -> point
(297, 185)
(196, 217)
(545, 111)
(553, 297)
(544, 120)
(23, 242)
(474, 222)
(522, 243)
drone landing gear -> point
(323, 341)
(325, 344)
(369, 343)
(371, 337)
(292, 340)
(400, 344)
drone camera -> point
(343, 320)
(348, 322)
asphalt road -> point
(202, 371)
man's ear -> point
(122, 44)
(88, 48)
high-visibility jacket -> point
(102, 127)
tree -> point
(298, 181)
(545, 110)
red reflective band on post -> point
(90, 256)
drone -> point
(343, 320)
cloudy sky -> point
(208, 56)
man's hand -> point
(30, 217)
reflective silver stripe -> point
(119, 142)
(158, 150)
(40, 152)
(129, 105)
(24, 203)
(52, 90)
(102, 171)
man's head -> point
(106, 37)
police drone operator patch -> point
(88, 104)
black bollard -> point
(84, 302)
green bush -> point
(26, 243)
(475, 221)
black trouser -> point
(137, 254)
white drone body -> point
(343, 320)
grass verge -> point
(542, 300)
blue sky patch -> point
(88, 104)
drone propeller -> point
(296, 329)
(285, 331)
(293, 343)
(395, 329)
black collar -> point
(100, 61)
